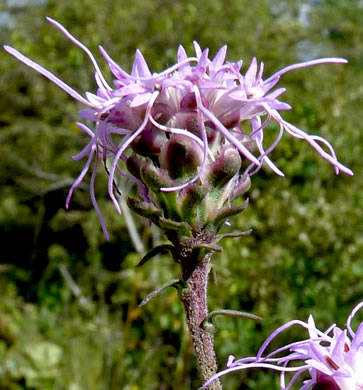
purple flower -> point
(206, 101)
(334, 358)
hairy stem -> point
(194, 299)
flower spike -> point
(207, 101)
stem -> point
(194, 299)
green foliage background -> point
(305, 253)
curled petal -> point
(306, 64)
(48, 75)
(83, 47)
(82, 174)
(94, 200)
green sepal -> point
(183, 228)
(153, 177)
(191, 205)
(242, 187)
(145, 209)
(227, 212)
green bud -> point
(226, 212)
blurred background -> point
(69, 315)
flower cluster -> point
(334, 358)
(206, 105)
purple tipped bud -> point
(149, 142)
(181, 156)
(225, 167)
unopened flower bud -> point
(149, 142)
(181, 157)
(224, 167)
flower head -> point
(204, 101)
(334, 358)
